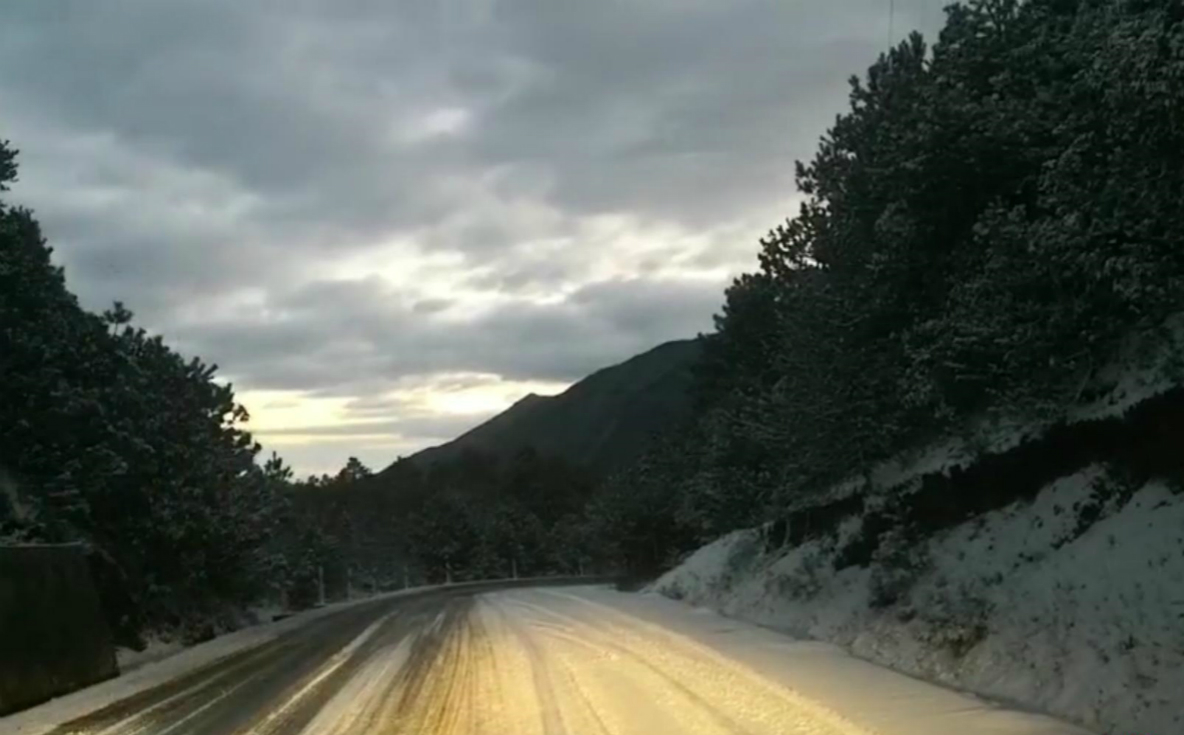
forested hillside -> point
(993, 219)
(511, 495)
(945, 413)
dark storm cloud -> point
(289, 103)
(208, 161)
(687, 110)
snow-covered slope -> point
(1037, 562)
(1071, 602)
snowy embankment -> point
(1089, 629)
(1066, 597)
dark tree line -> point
(109, 437)
(472, 517)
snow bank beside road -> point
(1071, 603)
(155, 650)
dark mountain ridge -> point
(600, 423)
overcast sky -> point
(385, 221)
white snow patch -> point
(987, 437)
(1025, 604)
(267, 613)
(157, 648)
(1150, 365)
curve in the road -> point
(456, 662)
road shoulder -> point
(48, 715)
(873, 697)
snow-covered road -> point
(543, 661)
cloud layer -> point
(354, 200)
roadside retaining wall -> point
(53, 636)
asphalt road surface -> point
(536, 661)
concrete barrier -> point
(53, 635)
